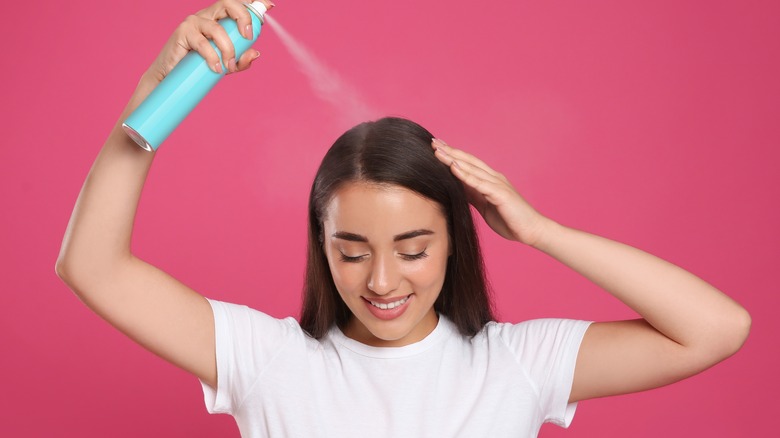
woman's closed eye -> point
(418, 256)
(409, 257)
(351, 259)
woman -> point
(396, 336)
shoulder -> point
(242, 311)
(242, 320)
(534, 327)
(531, 336)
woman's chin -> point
(394, 332)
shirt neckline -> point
(443, 329)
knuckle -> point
(228, 46)
(180, 32)
(191, 20)
(204, 47)
(185, 27)
(227, 51)
(225, 46)
(212, 26)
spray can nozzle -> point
(260, 8)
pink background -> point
(653, 123)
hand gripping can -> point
(185, 86)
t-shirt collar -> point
(443, 329)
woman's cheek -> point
(430, 272)
(345, 278)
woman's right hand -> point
(196, 31)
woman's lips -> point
(388, 308)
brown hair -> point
(398, 152)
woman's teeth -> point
(394, 304)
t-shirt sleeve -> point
(546, 350)
(246, 342)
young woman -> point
(396, 336)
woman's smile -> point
(388, 310)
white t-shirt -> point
(505, 382)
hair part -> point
(395, 151)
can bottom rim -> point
(138, 138)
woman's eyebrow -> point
(352, 237)
(411, 234)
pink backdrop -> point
(653, 123)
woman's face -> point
(387, 248)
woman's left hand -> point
(503, 209)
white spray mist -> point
(325, 82)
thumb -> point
(245, 61)
(476, 199)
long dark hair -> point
(398, 152)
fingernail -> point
(232, 65)
(248, 32)
(257, 55)
(217, 68)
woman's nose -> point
(384, 276)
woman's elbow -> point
(72, 274)
(63, 266)
(741, 323)
(733, 331)
(61, 270)
(64, 272)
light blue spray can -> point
(185, 86)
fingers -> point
(233, 9)
(459, 160)
(471, 174)
(463, 156)
(243, 19)
(197, 29)
(205, 23)
(474, 173)
(476, 178)
(201, 32)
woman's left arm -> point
(687, 326)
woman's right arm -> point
(148, 305)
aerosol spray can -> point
(185, 86)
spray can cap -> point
(259, 8)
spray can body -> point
(184, 87)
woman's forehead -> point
(381, 210)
